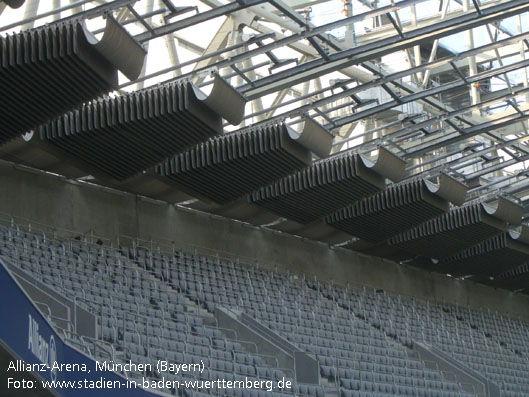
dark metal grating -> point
(385, 214)
(227, 167)
(457, 230)
(327, 185)
(48, 70)
(487, 259)
(123, 136)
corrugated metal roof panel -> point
(227, 167)
(48, 70)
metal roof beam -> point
(468, 133)
(497, 167)
(195, 60)
(387, 79)
(198, 18)
(433, 91)
(295, 38)
(474, 154)
(357, 55)
(446, 115)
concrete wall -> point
(82, 207)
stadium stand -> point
(144, 319)
(493, 345)
(152, 305)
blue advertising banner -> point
(27, 333)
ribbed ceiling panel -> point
(326, 186)
(388, 213)
(489, 258)
(318, 190)
(49, 70)
(227, 167)
(455, 231)
(128, 134)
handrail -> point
(289, 371)
(46, 306)
(97, 343)
(245, 343)
(15, 249)
(29, 224)
(191, 332)
(274, 358)
(468, 384)
(431, 362)
(79, 343)
(71, 325)
(225, 330)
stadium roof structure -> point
(437, 89)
